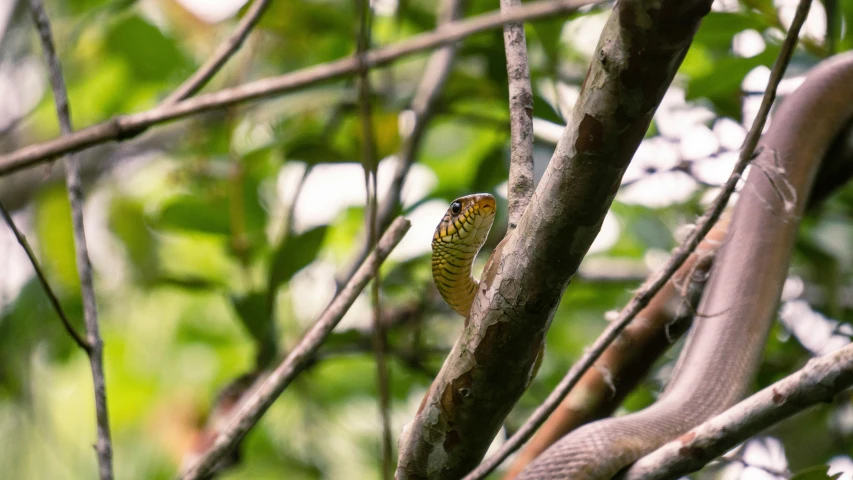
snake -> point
(722, 353)
(458, 238)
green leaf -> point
(308, 33)
(30, 325)
(56, 239)
(195, 258)
(719, 28)
(92, 10)
(492, 170)
(313, 150)
(722, 83)
(194, 212)
(548, 32)
(100, 94)
(455, 150)
(253, 310)
(294, 254)
(845, 11)
(126, 219)
(151, 55)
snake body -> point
(724, 349)
(457, 239)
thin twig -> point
(820, 380)
(520, 189)
(299, 357)
(84, 266)
(656, 282)
(422, 108)
(54, 300)
(223, 52)
(369, 162)
(123, 127)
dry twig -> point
(264, 396)
(369, 162)
(422, 107)
(84, 267)
(223, 52)
(54, 300)
(125, 126)
(520, 116)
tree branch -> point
(593, 398)
(659, 279)
(625, 362)
(84, 266)
(264, 396)
(528, 272)
(370, 165)
(820, 380)
(520, 116)
(422, 106)
(773, 200)
(223, 52)
(54, 300)
(125, 126)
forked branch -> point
(84, 266)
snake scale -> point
(457, 239)
(723, 351)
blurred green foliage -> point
(204, 272)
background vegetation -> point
(217, 240)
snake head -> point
(467, 221)
(458, 238)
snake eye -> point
(455, 208)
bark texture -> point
(489, 367)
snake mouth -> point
(486, 203)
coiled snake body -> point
(724, 349)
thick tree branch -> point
(54, 300)
(820, 380)
(223, 52)
(125, 126)
(490, 364)
(264, 396)
(658, 280)
(520, 117)
(84, 266)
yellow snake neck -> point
(458, 237)
(451, 271)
